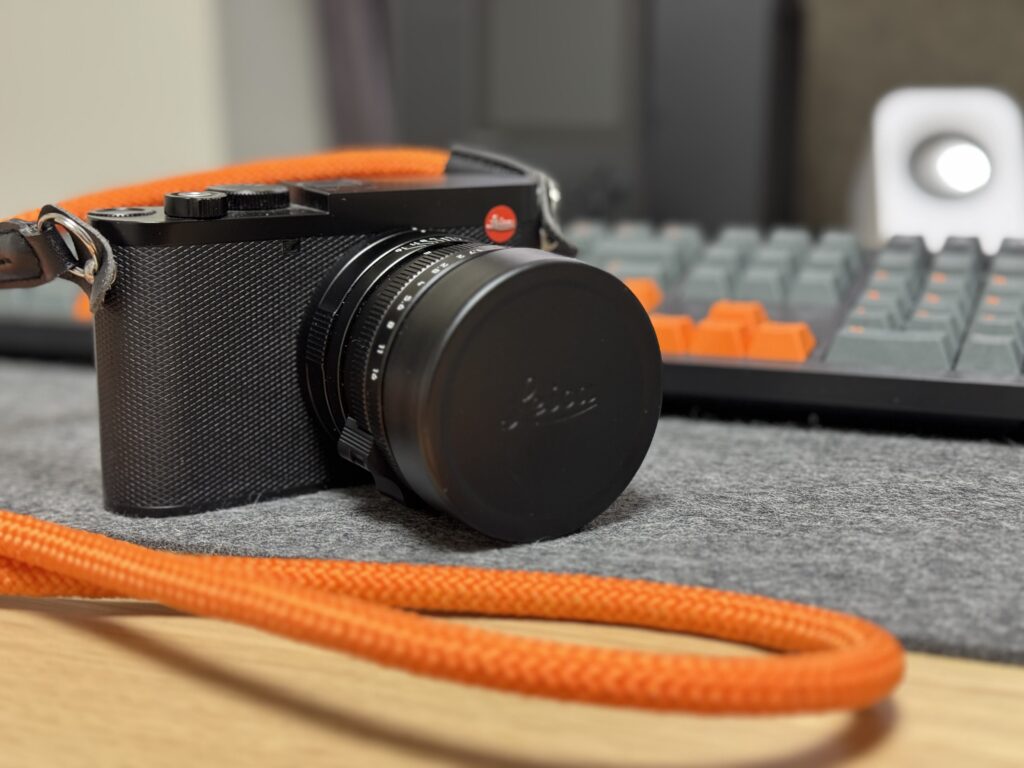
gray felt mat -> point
(925, 535)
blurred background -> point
(714, 111)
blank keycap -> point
(1010, 258)
(900, 261)
(688, 238)
(845, 241)
(926, 320)
(707, 282)
(789, 342)
(647, 291)
(744, 238)
(586, 233)
(662, 261)
(729, 256)
(720, 338)
(956, 262)
(633, 229)
(750, 313)
(816, 287)
(882, 348)
(834, 259)
(998, 355)
(775, 256)
(797, 239)
(674, 333)
(767, 284)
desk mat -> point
(924, 535)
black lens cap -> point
(523, 393)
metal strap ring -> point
(85, 269)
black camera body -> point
(275, 339)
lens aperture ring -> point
(378, 324)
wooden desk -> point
(123, 683)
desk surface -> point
(125, 683)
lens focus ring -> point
(378, 321)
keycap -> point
(844, 241)
(707, 282)
(633, 229)
(984, 353)
(907, 244)
(940, 302)
(750, 313)
(775, 256)
(585, 233)
(662, 261)
(998, 325)
(956, 283)
(1005, 284)
(767, 284)
(789, 342)
(720, 338)
(744, 238)
(816, 287)
(729, 256)
(998, 304)
(674, 333)
(899, 261)
(956, 262)
(927, 320)
(689, 239)
(873, 316)
(796, 239)
(14, 302)
(647, 291)
(835, 259)
(887, 281)
(1009, 260)
(893, 301)
(924, 351)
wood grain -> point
(123, 683)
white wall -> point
(123, 91)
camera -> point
(433, 335)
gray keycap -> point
(900, 261)
(585, 233)
(886, 281)
(1010, 258)
(944, 303)
(640, 258)
(965, 245)
(707, 282)
(797, 239)
(629, 229)
(956, 283)
(845, 241)
(14, 302)
(999, 325)
(984, 353)
(893, 301)
(762, 283)
(872, 317)
(817, 287)
(775, 256)
(835, 259)
(728, 256)
(907, 244)
(744, 238)
(1005, 284)
(925, 351)
(996, 304)
(954, 262)
(689, 238)
(945, 322)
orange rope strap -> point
(840, 661)
(832, 661)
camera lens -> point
(514, 389)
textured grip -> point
(201, 402)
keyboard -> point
(50, 321)
(785, 319)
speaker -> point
(948, 162)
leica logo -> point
(550, 404)
(500, 223)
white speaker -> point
(948, 162)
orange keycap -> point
(646, 290)
(720, 338)
(674, 333)
(749, 313)
(80, 311)
(791, 342)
